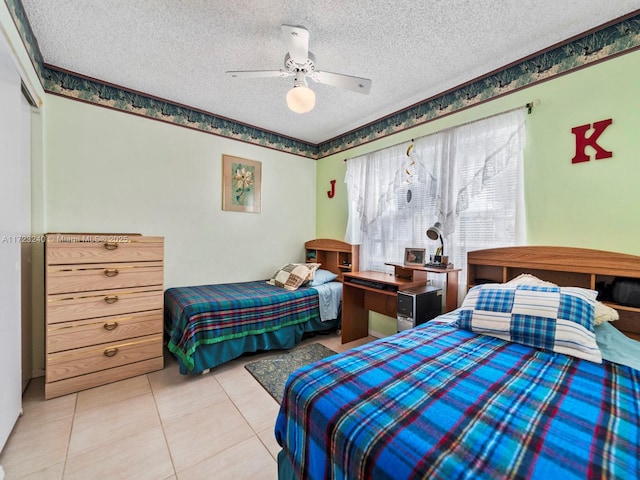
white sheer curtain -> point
(468, 178)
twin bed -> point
(518, 382)
(208, 325)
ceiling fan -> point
(300, 63)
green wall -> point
(590, 205)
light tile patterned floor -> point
(157, 426)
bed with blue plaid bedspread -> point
(438, 402)
(206, 315)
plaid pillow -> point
(291, 276)
(313, 267)
(548, 317)
(603, 313)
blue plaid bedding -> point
(438, 402)
(208, 314)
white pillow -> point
(604, 313)
(528, 279)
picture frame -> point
(415, 256)
(241, 184)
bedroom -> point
(148, 159)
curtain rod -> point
(529, 106)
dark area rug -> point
(272, 372)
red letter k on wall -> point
(582, 141)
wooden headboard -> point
(334, 255)
(565, 266)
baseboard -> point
(377, 334)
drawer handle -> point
(111, 272)
(110, 352)
(113, 299)
(110, 326)
(110, 245)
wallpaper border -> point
(588, 49)
(608, 42)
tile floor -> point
(162, 425)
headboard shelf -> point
(562, 259)
(334, 255)
(565, 266)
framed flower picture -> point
(241, 184)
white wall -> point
(108, 171)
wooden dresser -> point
(104, 300)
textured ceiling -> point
(179, 50)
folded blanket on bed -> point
(329, 299)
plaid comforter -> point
(437, 402)
(208, 314)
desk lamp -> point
(435, 233)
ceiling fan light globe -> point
(301, 99)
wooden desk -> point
(378, 292)
(451, 287)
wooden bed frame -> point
(565, 266)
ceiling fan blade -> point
(297, 39)
(258, 73)
(357, 84)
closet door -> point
(13, 186)
(24, 206)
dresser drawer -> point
(101, 377)
(101, 357)
(68, 307)
(87, 277)
(63, 249)
(84, 333)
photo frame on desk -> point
(414, 256)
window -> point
(467, 178)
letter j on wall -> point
(583, 141)
(332, 192)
